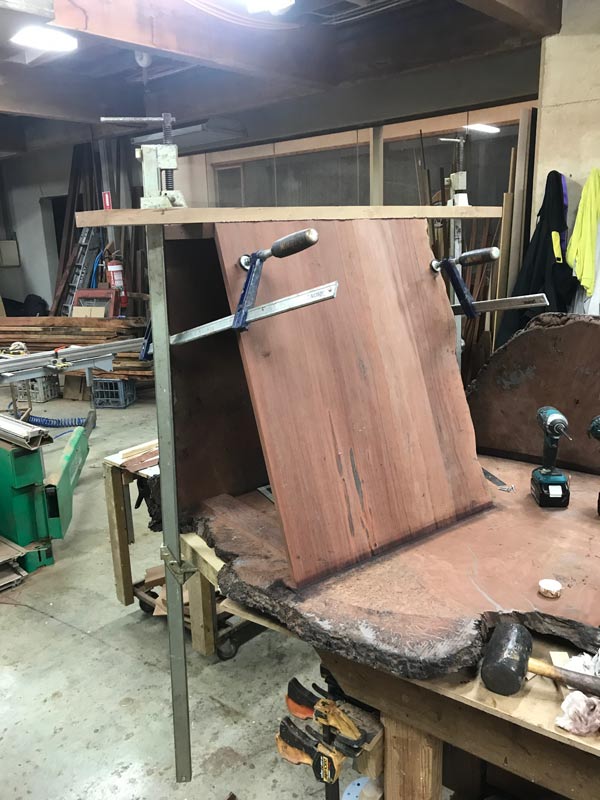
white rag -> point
(581, 714)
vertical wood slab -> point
(116, 508)
(553, 361)
(360, 408)
(412, 762)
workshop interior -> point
(300, 399)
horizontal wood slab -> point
(424, 609)
(76, 323)
(191, 216)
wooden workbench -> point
(516, 733)
(120, 470)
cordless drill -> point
(549, 485)
(594, 433)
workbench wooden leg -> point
(116, 507)
(412, 763)
(203, 614)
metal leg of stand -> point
(168, 493)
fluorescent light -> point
(272, 6)
(481, 128)
(449, 139)
(42, 37)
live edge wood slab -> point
(425, 608)
(554, 361)
(359, 404)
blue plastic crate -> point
(113, 392)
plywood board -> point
(216, 440)
(360, 407)
(553, 361)
(425, 609)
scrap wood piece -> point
(425, 608)
(238, 528)
(142, 461)
(359, 402)
(552, 362)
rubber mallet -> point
(507, 661)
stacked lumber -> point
(49, 333)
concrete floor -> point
(85, 704)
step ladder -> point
(81, 273)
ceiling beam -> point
(62, 95)
(385, 45)
(275, 53)
(542, 17)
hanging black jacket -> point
(541, 271)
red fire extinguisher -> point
(116, 279)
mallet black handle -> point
(294, 243)
(588, 684)
(473, 258)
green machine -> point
(34, 509)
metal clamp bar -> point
(506, 303)
(133, 120)
(72, 354)
(307, 298)
(168, 494)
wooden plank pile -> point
(49, 333)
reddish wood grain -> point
(425, 609)
(361, 412)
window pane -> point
(229, 187)
(487, 161)
(324, 178)
(259, 182)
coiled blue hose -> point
(50, 422)
(65, 422)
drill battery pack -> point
(550, 489)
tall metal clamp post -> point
(178, 571)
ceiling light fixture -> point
(481, 128)
(272, 6)
(42, 37)
(450, 139)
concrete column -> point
(569, 101)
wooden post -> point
(116, 507)
(499, 286)
(412, 763)
(203, 614)
(203, 605)
(376, 166)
